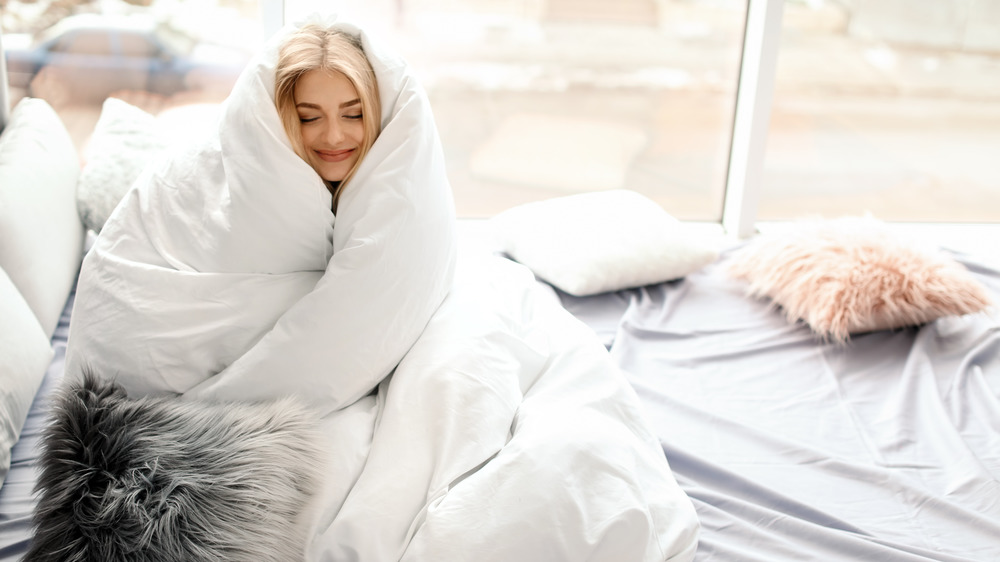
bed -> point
(881, 444)
(790, 448)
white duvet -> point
(469, 416)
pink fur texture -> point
(852, 275)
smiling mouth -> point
(334, 155)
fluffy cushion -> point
(598, 242)
(124, 141)
(168, 479)
(41, 238)
(852, 275)
(26, 354)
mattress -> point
(884, 448)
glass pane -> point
(137, 45)
(537, 99)
(887, 107)
(155, 54)
(89, 43)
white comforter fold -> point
(469, 416)
(506, 433)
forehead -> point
(325, 88)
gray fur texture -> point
(164, 479)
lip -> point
(334, 155)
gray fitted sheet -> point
(887, 448)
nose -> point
(334, 133)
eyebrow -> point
(308, 105)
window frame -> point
(754, 97)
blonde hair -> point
(314, 47)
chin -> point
(329, 174)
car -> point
(87, 57)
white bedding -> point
(469, 416)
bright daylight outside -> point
(155, 55)
(882, 106)
(888, 107)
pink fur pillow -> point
(852, 275)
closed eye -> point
(358, 116)
(307, 119)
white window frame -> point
(754, 96)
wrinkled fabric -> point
(506, 433)
(791, 448)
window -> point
(90, 43)
(154, 53)
(886, 107)
(84, 43)
(136, 45)
(540, 99)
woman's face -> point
(331, 122)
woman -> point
(225, 264)
(469, 416)
(327, 98)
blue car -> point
(85, 58)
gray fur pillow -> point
(165, 479)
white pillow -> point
(41, 238)
(598, 242)
(26, 354)
(125, 140)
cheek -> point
(307, 135)
(357, 132)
